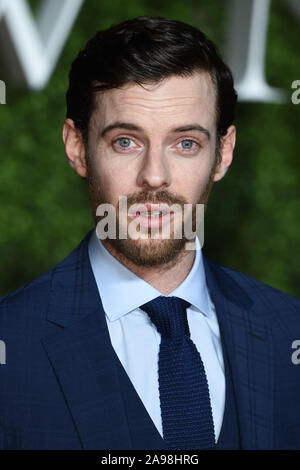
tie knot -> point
(168, 315)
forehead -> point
(175, 98)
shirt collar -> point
(122, 291)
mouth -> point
(151, 215)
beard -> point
(153, 251)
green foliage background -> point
(252, 217)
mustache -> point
(155, 198)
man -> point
(140, 342)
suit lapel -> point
(106, 410)
(249, 346)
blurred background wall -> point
(252, 220)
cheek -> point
(196, 186)
(118, 176)
(114, 183)
(192, 180)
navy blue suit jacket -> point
(63, 386)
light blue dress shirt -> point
(136, 340)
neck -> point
(165, 278)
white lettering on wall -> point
(30, 48)
(246, 50)
(2, 92)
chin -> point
(148, 252)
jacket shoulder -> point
(260, 293)
(33, 296)
(25, 306)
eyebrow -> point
(133, 127)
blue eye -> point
(187, 144)
(124, 142)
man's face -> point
(153, 144)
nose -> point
(154, 171)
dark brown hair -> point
(146, 50)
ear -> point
(226, 153)
(74, 147)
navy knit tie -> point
(184, 396)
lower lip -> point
(154, 221)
